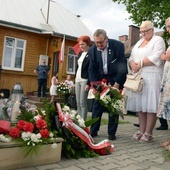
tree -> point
(156, 11)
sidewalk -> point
(128, 154)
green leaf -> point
(91, 121)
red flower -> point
(104, 81)
(28, 127)
(20, 124)
(44, 133)
(14, 132)
(41, 124)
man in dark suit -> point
(107, 60)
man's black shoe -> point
(94, 134)
(112, 137)
(137, 125)
(162, 128)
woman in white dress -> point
(53, 88)
(147, 51)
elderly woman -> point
(146, 54)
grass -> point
(104, 121)
(167, 155)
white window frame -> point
(13, 54)
(72, 54)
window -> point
(71, 61)
(14, 54)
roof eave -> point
(35, 30)
(20, 27)
(66, 36)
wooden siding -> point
(36, 45)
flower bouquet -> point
(109, 97)
(73, 122)
(63, 88)
(32, 130)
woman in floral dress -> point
(164, 101)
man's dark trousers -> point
(97, 111)
(42, 83)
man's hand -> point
(87, 88)
(116, 85)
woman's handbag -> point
(71, 102)
(134, 82)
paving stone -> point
(130, 167)
(128, 154)
(109, 166)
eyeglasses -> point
(145, 31)
(168, 26)
(100, 42)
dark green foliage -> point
(72, 147)
(156, 11)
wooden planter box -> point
(12, 157)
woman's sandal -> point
(146, 138)
(166, 143)
(137, 135)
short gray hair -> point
(99, 32)
(147, 24)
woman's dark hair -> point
(55, 72)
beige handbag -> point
(134, 82)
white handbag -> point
(134, 82)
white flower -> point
(54, 145)
(81, 122)
(28, 143)
(118, 105)
(4, 139)
(66, 108)
(35, 137)
(78, 116)
(73, 114)
(39, 135)
(37, 118)
(106, 99)
(51, 135)
(26, 136)
(43, 112)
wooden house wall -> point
(36, 45)
(62, 66)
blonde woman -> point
(147, 50)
